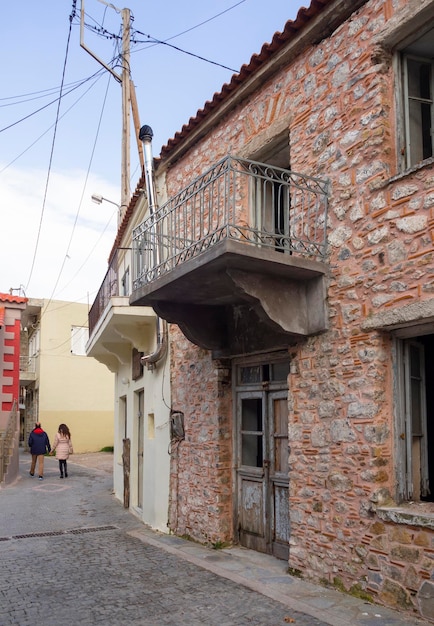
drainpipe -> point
(145, 135)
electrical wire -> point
(43, 93)
(169, 45)
(90, 253)
(84, 188)
(61, 95)
(50, 127)
(52, 149)
(102, 32)
(204, 22)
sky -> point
(61, 119)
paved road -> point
(71, 554)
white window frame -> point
(34, 343)
(79, 338)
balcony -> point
(115, 328)
(27, 370)
(237, 258)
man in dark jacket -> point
(39, 445)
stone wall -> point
(336, 103)
(201, 501)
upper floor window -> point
(34, 343)
(418, 92)
(79, 337)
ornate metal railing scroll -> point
(255, 203)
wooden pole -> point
(126, 108)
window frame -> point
(404, 436)
(79, 338)
(408, 98)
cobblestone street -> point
(71, 554)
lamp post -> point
(100, 199)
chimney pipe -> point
(145, 135)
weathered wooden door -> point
(140, 446)
(262, 460)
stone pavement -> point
(70, 552)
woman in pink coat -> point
(63, 447)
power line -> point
(197, 56)
(50, 127)
(43, 93)
(100, 30)
(106, 34)
(83, 191)
(204, 22)
(61, 95)
(52, 147)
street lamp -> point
(100, 199)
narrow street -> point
(70, 553)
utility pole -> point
(129, 102)
(126, 107)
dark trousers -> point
(63, 467)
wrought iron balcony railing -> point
(255, 203)
(109, 289)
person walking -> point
(39, 445)
(63, 447)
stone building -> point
(293, 260)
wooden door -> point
(262, 465)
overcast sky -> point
(54, 156)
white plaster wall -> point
(156, 460)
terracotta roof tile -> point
(279, 39)
(7, 297)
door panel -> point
(252, 505)
(140, 442)
(251, 485)
(279, 476)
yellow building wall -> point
(73, 389)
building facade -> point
(133, 346)
(59, 384)
(293, 260)
(11, 308)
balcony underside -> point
(236, 299)
(27, 378)
(119, 330)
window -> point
(136, 364)
(79, 337)
(265, 373)
(415, 430)
(271, 194)
(125, 283)
(34, 343)
(418, 90)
